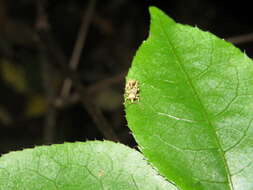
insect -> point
(132, 90)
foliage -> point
(189, 105)
(194, 118)
(78, 166)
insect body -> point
(132, 90)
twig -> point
(50, 120)
(241, 39)
(80, 41)
(95, 113)
(92, 89)
(47, 73)
(98, 86)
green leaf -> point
(193, 118)
(78, 166)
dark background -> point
(37, 40)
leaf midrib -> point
(179, 62)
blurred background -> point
(63, 63)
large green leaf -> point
(193, 117)
(79, 166)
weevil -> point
(132, 90)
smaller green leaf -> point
(77, 166)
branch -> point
(59, 60)
(241, 39)
(80, 41)
(47, 73)
(98, 86)
(92, 89)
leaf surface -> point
(78, 166)
(193, 117)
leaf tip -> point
(153, 9)
(157, 13)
